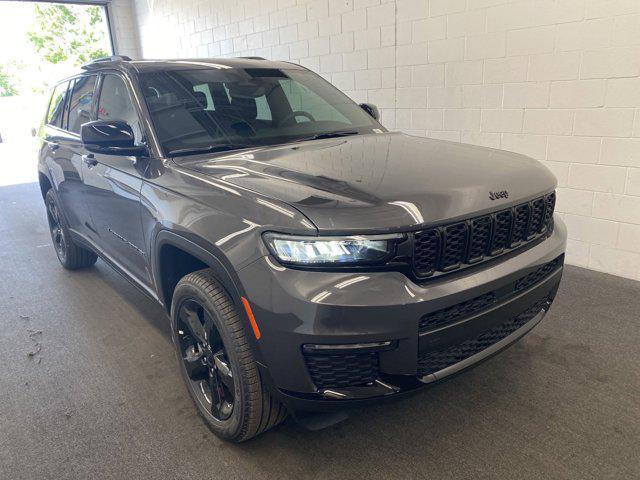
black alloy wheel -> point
(205, 360)
(57, 232)
(217, 362)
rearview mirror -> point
(371, 109)
(113, 137)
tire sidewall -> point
(52, 198)
(229, 428)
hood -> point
(382, 182)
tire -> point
(71, 256)
(254, 410)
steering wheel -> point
(240, 120)
(294, 114)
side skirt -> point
(123, 272)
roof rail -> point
(112, 58)
(254, 58)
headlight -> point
(336, 251)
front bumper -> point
(409, 335)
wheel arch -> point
(176, 256)
(45, 183)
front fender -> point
(203, 251)
(216, 261)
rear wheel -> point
(216, 361)
(71, 256)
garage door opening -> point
(43, 43)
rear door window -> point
(80, 103)
(56, 106)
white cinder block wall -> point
(124, 28)
(558, 80)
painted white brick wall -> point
(558, 80)
(124, 27)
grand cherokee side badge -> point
(497, 195)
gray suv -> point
(309, 259)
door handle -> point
(90, 160)
(54, 146)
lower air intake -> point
(434, 361)
(340, 371)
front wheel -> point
(216, 361)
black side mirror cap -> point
(371, 109)
(110, 137)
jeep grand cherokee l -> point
(309, 259)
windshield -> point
(215, 108)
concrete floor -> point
(103, 398)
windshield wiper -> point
(221, 147)
(336, 134)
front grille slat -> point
(426, 252)
(502, 222)
(550, 204)
(520, 224)
(479, 238)
(451, 247)
(455, 245)
(536, 225)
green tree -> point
(7, 87)
(69, 33)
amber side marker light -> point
(252, 319)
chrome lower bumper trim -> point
(357, 347)
(376, 389)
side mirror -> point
(113, 137)
(371, 109)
